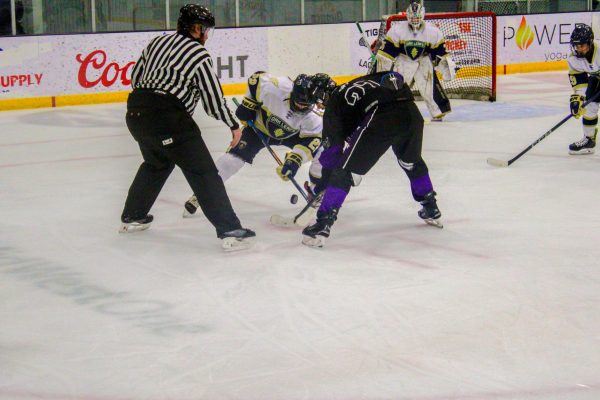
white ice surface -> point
(503, 303)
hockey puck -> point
(294, 199)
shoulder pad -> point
(253, 83)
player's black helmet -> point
(301, 99)
(392, 80)
(323, 86)
(192, 14)
(582, 34)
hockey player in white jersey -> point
(281, 111)
(584, 74)
(415, 48)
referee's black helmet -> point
(192, 14)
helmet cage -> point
(582, 34)
(323, 86)
(301, 99)
(415, 14)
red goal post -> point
(471, 42)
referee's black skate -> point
(430, 213)
(237, 239)
(315, 234)
(129, 224)
(587, 145)
(190, 207)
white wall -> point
(54, 65)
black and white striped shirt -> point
(181, 66)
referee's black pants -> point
(167, 136)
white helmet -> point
(415, 14)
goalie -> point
(416, 50)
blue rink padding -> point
(485, 111)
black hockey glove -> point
(577, 105)
(247, 110)
(290, 166)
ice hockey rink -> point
(503, 303)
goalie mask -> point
(323, 86)
(301, 99)
(415, 14)
(193, 14)
(582, 34)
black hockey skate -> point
(129, 224)
(430, 213)
(584, 146)
(315, 234)
(191, 206)
(238, 239)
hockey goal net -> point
(471, 42)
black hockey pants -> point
(167, 136)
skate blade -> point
(434, 222)
(231, 244)
(317, 242)
(581, 152)
(133, 227)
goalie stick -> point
(501, 163)
(275, 156)
(363, 42)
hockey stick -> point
(275, 156)
(300, 219)
(501, 163)
(363, 42)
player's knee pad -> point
(591, 111)
(341, 178)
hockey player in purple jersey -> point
(362, 120)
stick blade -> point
(497, 163)
(280, 220)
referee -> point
(174, 72)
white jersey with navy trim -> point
(181, 66)
(581, 67)
(275, 117)
(403, 40)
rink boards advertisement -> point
(100, 63)
(539, 40)
(42, 71)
